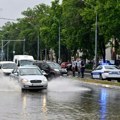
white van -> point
(7, 66)
(21, 60)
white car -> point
(106, 72)
(30, 77)
(7, 66)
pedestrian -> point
(82, 69)
(78, 64)
(73, 62)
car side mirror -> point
(43, 72)
(16, 73)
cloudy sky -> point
(12, 9)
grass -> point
(97, 81)
(105, 82)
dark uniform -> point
(82, 69)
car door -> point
(45, 67)
(97, 72)
(15, 74)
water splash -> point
(64, 84)
(6, 84)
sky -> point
(12, 9)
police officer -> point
(82, 69)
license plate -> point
(36, 84)
(114, 73)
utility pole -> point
(38, 47)
(96, 39)
(59, 57)
(3, 45)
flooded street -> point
(65, 99)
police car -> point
(106, 71)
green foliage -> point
(76, 20)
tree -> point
(76, 31)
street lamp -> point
(96, 32)
(59, 57)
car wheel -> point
(52, 76)
(23, 90)
(109, 79)
(118, 80)
(92, 76)
(100, 77)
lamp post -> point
(96, 32)
(59, 57)
(38, 47)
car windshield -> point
(26, 62)
(110, 67)
(59, 67)
(30, 71)
(54, 65)
(9, 66)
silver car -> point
(29, 77)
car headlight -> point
(24, 80)
(45, 79)
(56, 70)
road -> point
(65, 99)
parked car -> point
(64, 64)
(62, 70)
(106, 72)
(29, 77)
(51, 68)
(7, 66)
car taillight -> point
(106, 71)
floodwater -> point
(65, 99)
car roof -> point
(50, 62)
(38, 61)
(106, 65)
(2, 62)
(28, 66)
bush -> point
(89, 66)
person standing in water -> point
(82, 69)
(73, 62)
(78, 64)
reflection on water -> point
(34, 106)
(103, 104)
(44, 104)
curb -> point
(96, 84)
(101, 85)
